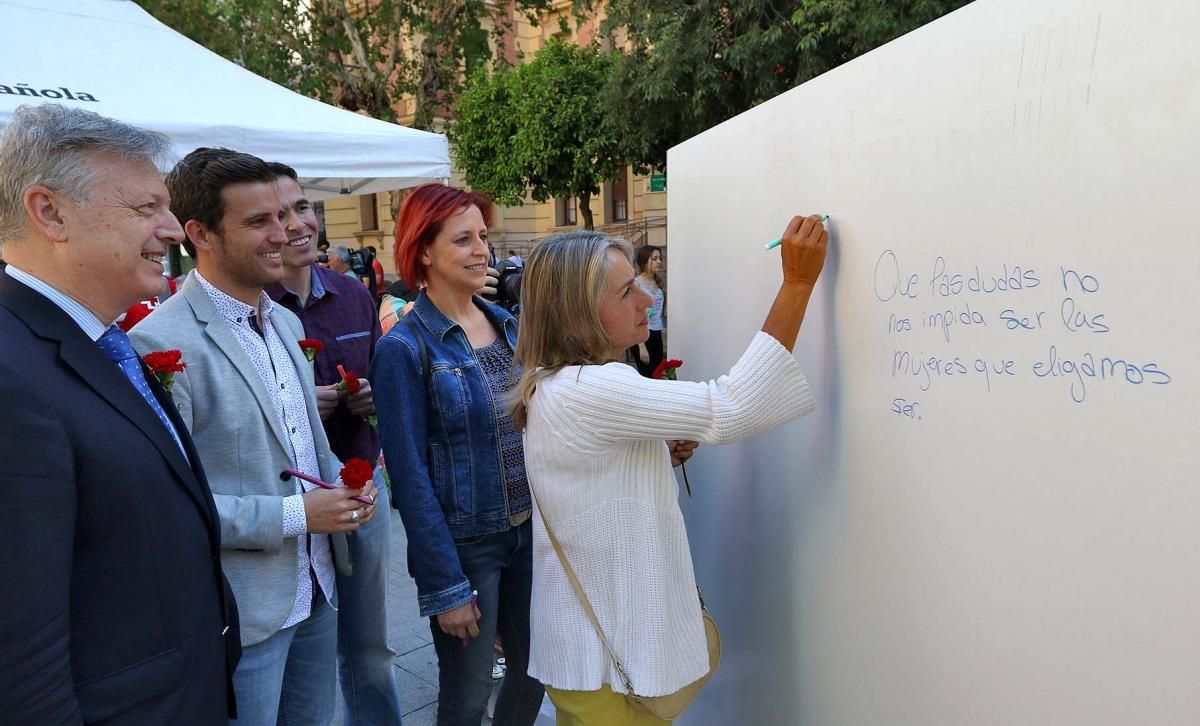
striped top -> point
(596, 457)
(496, 363)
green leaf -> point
(539, 129)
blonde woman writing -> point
(598, 460)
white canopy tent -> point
(112, 57)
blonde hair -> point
(565, 279)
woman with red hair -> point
(441, 378)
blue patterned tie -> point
(119, 350)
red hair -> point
(420, 221)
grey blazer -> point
(241, 442)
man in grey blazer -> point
(247, 396)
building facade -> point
(634, 206)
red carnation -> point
(164, 364)
(356, 473)
(311, 346)
(666, 369)
(349, 382)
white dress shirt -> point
(91, 325)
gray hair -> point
(48, 145)
(342, 252)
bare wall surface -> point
(994, 517)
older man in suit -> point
(114, 609)
(248, 399)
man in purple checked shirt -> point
(338, 311)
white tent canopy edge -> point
(111, 57)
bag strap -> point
(587, 606)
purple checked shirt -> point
(341, 314)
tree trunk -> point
(585, 208)
(427, 88)
(396, 199)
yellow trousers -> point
(598, 708)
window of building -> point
(618, 199)
(368, 212)
(565, 212)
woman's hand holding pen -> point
(804, 244)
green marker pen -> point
(776, 242)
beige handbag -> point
(672, 705)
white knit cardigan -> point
(595, 454)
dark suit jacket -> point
(113, 607)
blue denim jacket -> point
(441, 445)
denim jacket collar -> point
(438, 324)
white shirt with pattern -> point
(278, 374)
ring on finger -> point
(354, 515)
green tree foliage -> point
(539, 129)
(361, 55)
(691, 64)
(835, 31)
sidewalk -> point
(416, 662)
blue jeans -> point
(289, 678)
(366, 665)
(500, 568)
